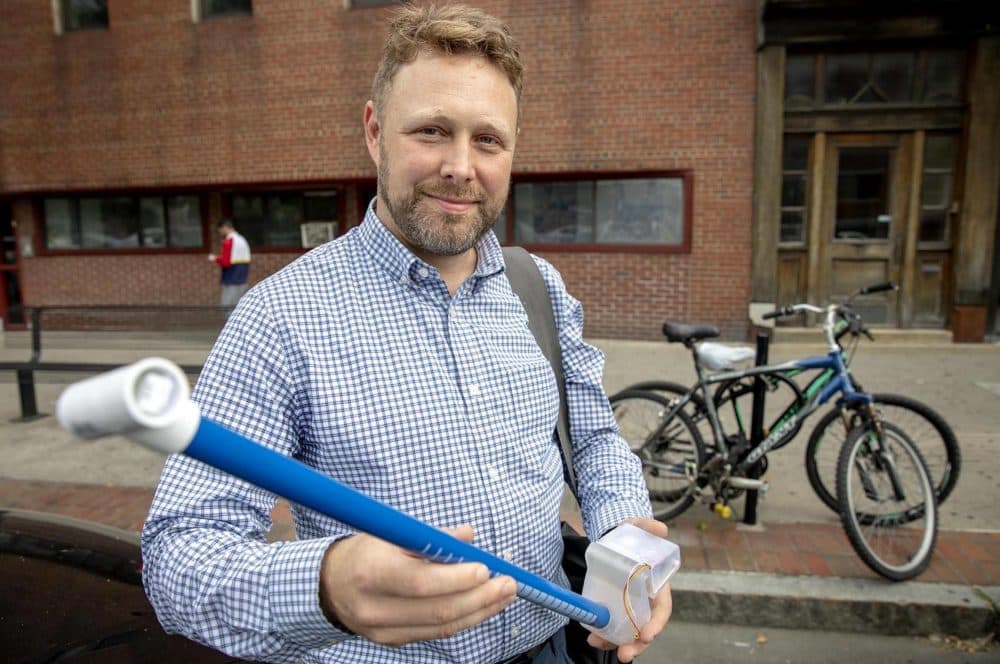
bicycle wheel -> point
(671, 451)
(886, 500)
(925, 427)
(694, 409)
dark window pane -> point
(223, 7)
(943, 76)
(862, 194)
(935, 190)
(892, 76)
(59, 224)
(248, 217)
(793, 190)
(939, 151)
(933, 225)
(184, 216)
(285, 215)
(640, 211)
(109, 223)
(321, 206)
(360, 4)
(800, 80)
(554, 212)
(84, 14)
(792, 226)
(795, 153)
(152, 222)
(846, 76)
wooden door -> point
(863, 220)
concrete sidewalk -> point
(795, 568)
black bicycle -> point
(732, 398)
(886, 496)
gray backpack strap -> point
(526, 280)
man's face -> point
(444, 147)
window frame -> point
(198, 12)
(41, 223)
(59, 11)
(340, 224)
(687, 187)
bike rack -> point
(756, 427)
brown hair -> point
(447, 29)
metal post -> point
(756, 427)
(26, 390)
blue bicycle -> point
(886, 498)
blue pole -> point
(299, 483)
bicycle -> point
(926, 427)
(679, 468)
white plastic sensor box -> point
(625, 569)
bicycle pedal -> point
(722, 510)
(748, 484)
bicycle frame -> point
(835, 378)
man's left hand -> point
(661, 607)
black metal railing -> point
(103, 319)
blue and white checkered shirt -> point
(356, 360)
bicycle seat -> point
(688, 333)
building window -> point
(82, 15)
(286, 219)
(364, 4)
(642, 211)
(212, 8)
(838, 79)
(123, 222)
(794, 176)
(936, 186)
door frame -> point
(823, 249)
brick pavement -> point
(707, 543)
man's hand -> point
(389, 596)
(661, 608)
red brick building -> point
(127, 128)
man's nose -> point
(458, 162)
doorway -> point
(11, 305)
(863, 222)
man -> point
(398, 360)
(234, 259)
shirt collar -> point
(399, 262)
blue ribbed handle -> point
(297, 482)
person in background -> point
(234, 259)
(398, 360)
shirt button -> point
(507, 555)
(493, 472)
(515, 631)
(422, 271)
(404, 279)
(474, 390)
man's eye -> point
(430, 131)
(489, 140)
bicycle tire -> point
(670, 462)
(887, 509)
(929, 431)
(694, 409)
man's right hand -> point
(389, 596)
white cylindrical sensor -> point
(141, 400)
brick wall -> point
(158, 101)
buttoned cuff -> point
(294, 591)
(613, 514)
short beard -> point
(440, 234)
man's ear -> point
(373, 130)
